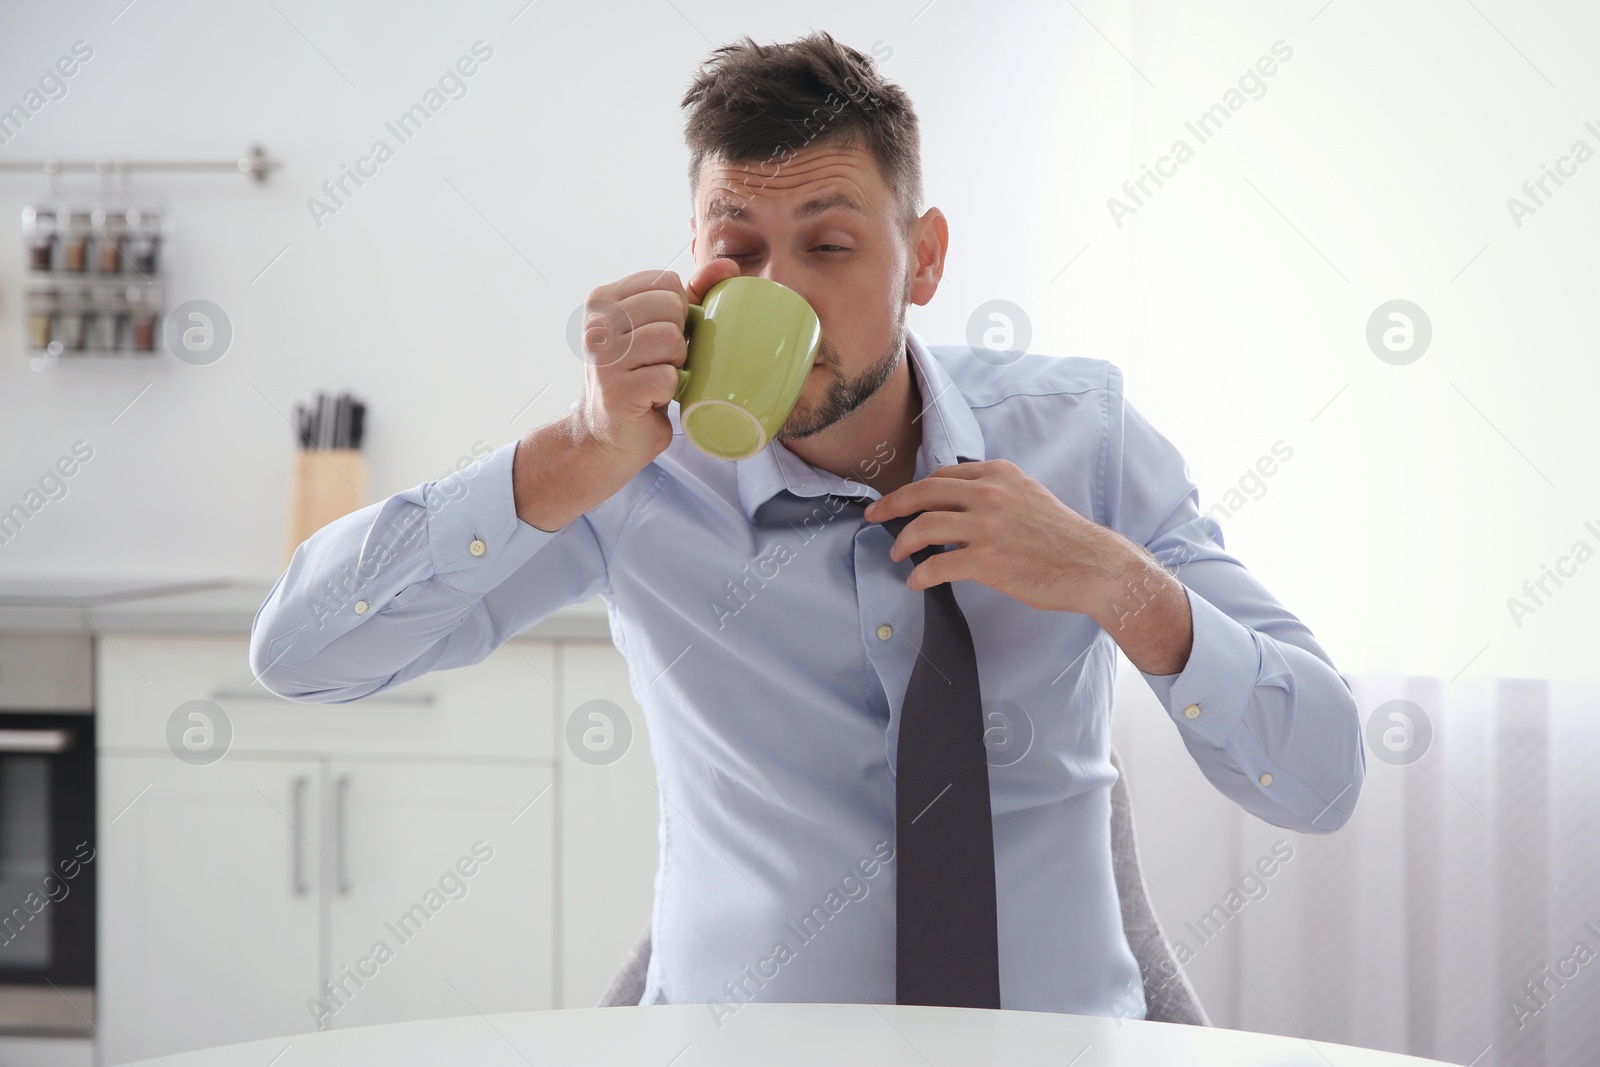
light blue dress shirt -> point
(769, 641)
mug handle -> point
(695, 317)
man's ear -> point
(930, 240)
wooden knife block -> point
(325, 485)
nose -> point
(775, 270)
(784, 273)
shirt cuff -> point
(1208, 698)
(474, 532)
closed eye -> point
(831, 250)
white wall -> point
(1377, 166)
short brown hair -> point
(763, 103)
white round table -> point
(840, 1035)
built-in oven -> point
(47, 834)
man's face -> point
(823, 224)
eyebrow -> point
(724, 207)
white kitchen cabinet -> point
(206, 933)
(233, 894)
(609, 830)
(449, 869)
(206, 937)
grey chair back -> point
(1168, 995)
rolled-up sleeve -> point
(434, 577)
(1259, 704)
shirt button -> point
(1192, 711)
(361, 607)
(1265, 779)
(477, 548)
(885, 631)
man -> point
(796, 658)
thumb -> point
(719, 269)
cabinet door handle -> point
(297, 842)
(340, 788)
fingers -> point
(952, 566)
(705, 277)
(657, 383)
(926, 494)
(640, 309)
(957, 487)
(614, 339)
(642, 282)
(978, 469)
(642, 327)
(614, 313)
(932, 528)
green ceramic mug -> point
(751, 345)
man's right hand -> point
(634, 343)
(633, 337)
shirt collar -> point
(950, 434)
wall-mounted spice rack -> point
(94, 285)
(95, 274)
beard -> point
(844, 394)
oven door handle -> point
(35, 740)
(297, 842)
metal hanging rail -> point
(255, 163)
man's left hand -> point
(1012, 534)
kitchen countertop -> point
(190, 606)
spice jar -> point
(142, 305)
(40, 226)
(42, 311)
(144, 240)
(108, 240)
(103, 323)
(77, 246)
(70, 322)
